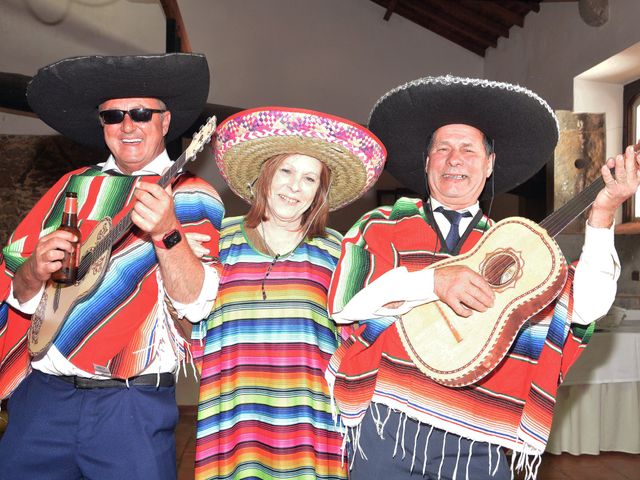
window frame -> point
(631, 129)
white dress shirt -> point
(594, 283)
(166, 360)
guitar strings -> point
(554, 223)
(125, 224)
(122, 226)
(558, 220)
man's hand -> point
(617, 188)
(48, 254)
(154, 211)
(463, 290)
(43, 262)
(182, 271)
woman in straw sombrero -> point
(264, 408)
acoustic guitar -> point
(524, 266)
(59, 300)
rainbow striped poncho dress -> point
(264, 409)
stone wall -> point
(578, 157)
(29, 165)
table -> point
(598, 405)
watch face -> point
(172, 238)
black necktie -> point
(453, 237)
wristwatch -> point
(170, 240)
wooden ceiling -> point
(473, 24)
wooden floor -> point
(606, 466)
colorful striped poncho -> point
(113, 327)
(512, 407)
(5, 281)
(264, 408)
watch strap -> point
(171, 239)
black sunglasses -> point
(111, 117)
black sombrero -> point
(522, 126)
(66, 94)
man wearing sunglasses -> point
(99, 402)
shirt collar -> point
(156, 167)
(472, 209)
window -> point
(631, 135)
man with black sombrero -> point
(99, 402)
(471, 138)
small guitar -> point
(526, 269)
(58, 300)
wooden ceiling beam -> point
(534, 5)
(475, 21)
(495, 10)
(420, 10)
(435, 27)
(521, 7)
(13, 92)
(445, 32)
(390, 9)
(472, 24)
(172, 12)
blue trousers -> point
(447, 455)
(58, 432)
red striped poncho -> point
(5, 282)
(511, 407)
(114, 327)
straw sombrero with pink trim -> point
(245, 140)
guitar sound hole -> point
(500, 269)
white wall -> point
(34, 33)
(333, 55)
(602, 97)
(555, 45)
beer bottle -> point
(69, 270)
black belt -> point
(149, 380)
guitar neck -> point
(558, 220)
(125, 224)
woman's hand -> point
(196, 241)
